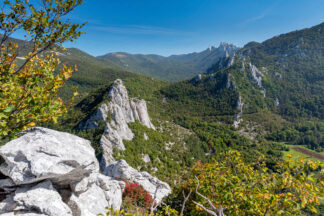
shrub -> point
(135, 196)
(252, 189)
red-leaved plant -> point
(136, 196)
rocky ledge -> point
(46, 172)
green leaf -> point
(3, 116)
(9, 109)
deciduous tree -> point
(29, 85)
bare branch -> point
(205, 198)
(205, 209)
(154, 205)
(221, 211)
(185, 199)
(216, 211)
(167, 208)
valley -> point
(208, 105)
(145, 132)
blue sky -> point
(181, 26)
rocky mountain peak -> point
(227, 48)
(116, 113)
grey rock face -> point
(140, 113)
(42, 197)
(55, 174)
(146, 158)
(22, 214)
(47, 154)
(117, 113)
(198, 77)
(6, 183)
(145, 136)
(277, 102)
(90, 203)
(121, 170)
(256, 74)
(94, 193)
(237, 117)
(7, 205)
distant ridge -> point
(171, 68)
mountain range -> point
(252, 99)
(172, 68)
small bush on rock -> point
(135, 196)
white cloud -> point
(263, 14)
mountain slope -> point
(172, 68)
(284, 75)
(92, 73)
(288, 72)
(272, 90)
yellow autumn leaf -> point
(32, 124)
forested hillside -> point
(275, 86)
(264, 96)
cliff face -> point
(116, 113)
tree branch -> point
(205, 198)
(167, 208)
(185, 201)
(205, 209)
(153, 208)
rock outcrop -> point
(237, 117)
(256, 74)
(230, 82)
(95, 192)
(117, 112)
(42, 197)
(51, 173)
(277, 102)
(121, 170)
(55, 174)
(47, 154)
(198, 78)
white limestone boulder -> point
(22, 214)
(94, 193)
(146, 158)
(42, 153)
(42, 199)
(121, 170)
